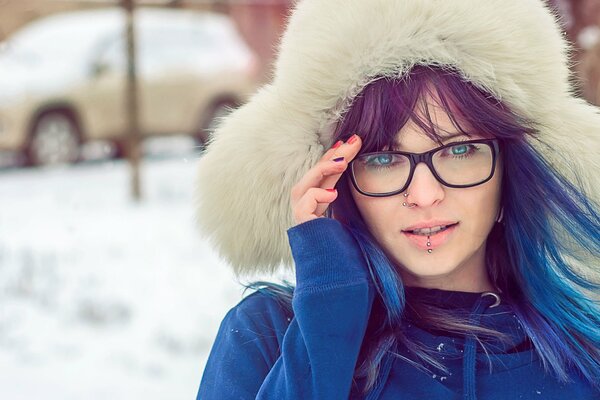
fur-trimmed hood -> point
(332, 49)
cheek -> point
(477, 208)
(482, 216)
(379, 213)
(484, 208)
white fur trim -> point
(331, 49)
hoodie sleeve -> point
(331, 303)
(245, 349)
(320, 346)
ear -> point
(500, 215)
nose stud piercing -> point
(404, 204)
(428, 238)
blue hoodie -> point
(264, 351)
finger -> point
(301, 186)
(348, 150)
(314, 176)
(305, 209)
(329, 154)
(321, 208)
(325, 174)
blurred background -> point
(106, 289)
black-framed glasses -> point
(456, 165)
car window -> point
(112, 55)
(166, 47)
(160, 50)
(58, 38)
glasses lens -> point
(461, 164)
(381, 172)
(464, 164)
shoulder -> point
(259, 320)
(247, 346)
(266, 307)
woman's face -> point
(458, 263)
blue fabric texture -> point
(262, 351)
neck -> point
(435, 283)
(470, 276)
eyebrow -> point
(444, 138)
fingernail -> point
(338, 159)
(331, 190)
(337, 144)
(353, 139)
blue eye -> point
(379, 160)
(384, 161)
(462, 149)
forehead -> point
(414, 140)
(432, 126)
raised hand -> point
(315, 191)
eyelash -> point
(455, 141)
(461, 140)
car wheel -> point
(55, 139)
(211, 119)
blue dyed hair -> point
(525, 257)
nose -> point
(424, 189)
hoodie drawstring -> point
(487, 300)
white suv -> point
(63, 79)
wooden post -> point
(132, 104)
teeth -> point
(429, 231)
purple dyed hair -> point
(544, 290)
(525, 257)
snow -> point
(100, 297)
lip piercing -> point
(428, 238)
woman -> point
(445, 245)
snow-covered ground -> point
(100, 297)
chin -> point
(428, 271)
(428, 265)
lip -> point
(435, 240)
(429, 224)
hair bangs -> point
(387, 104)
